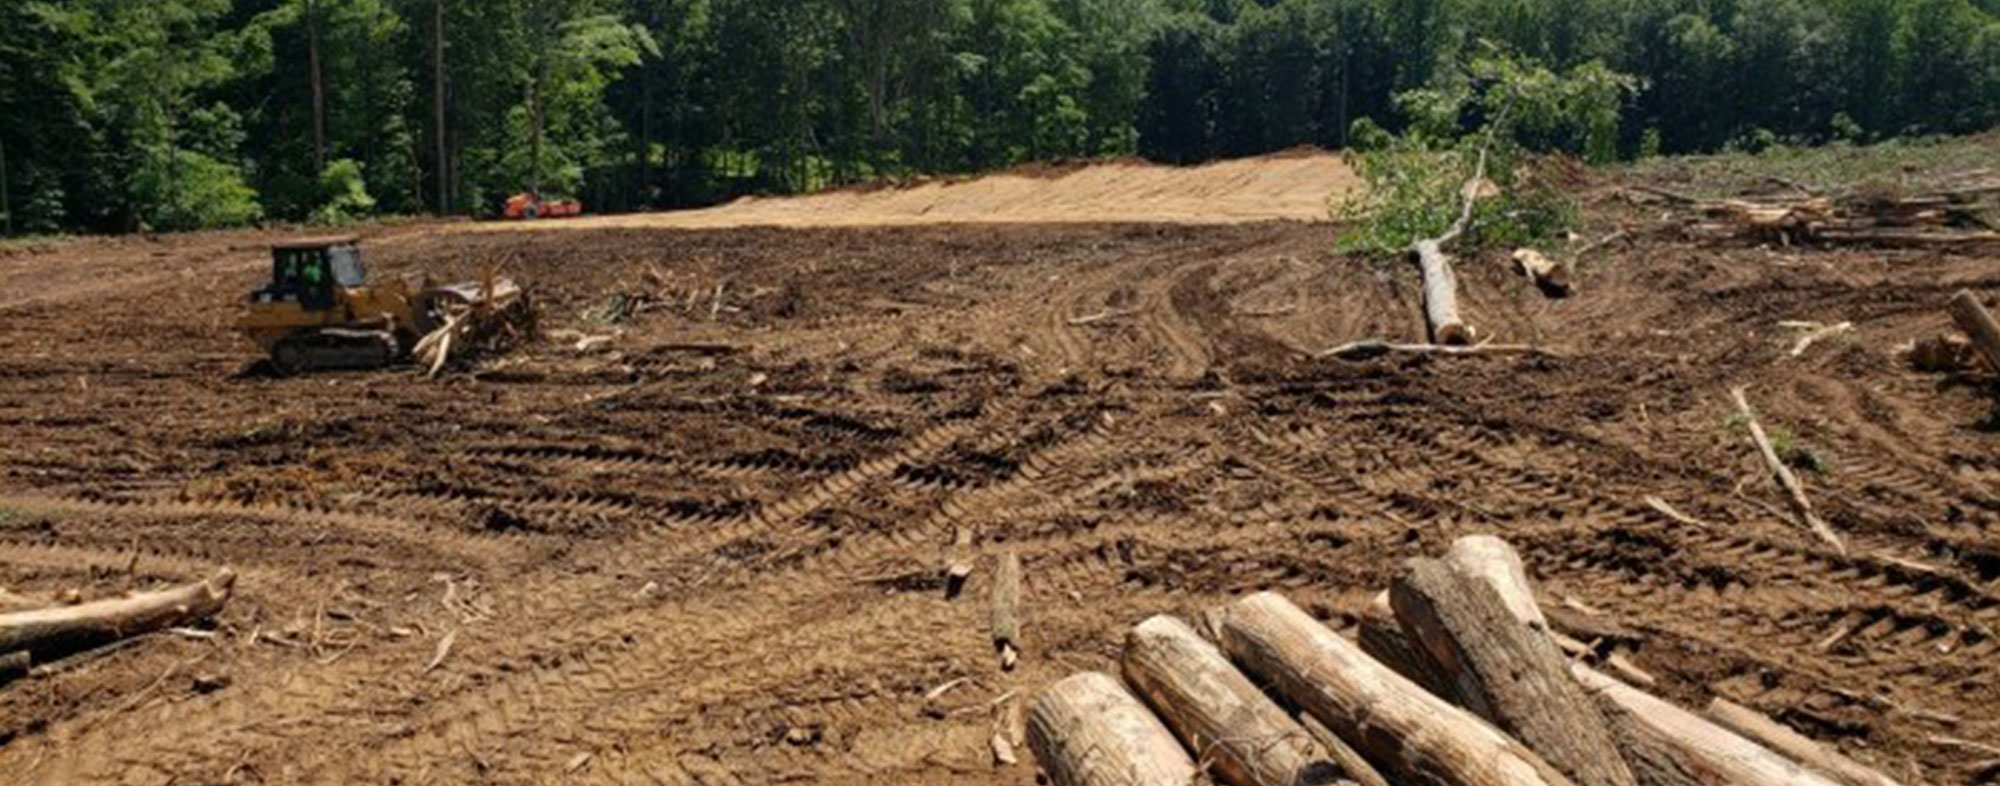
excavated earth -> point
(711, 549)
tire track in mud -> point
(657, 643)
(608, 606)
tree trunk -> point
(1087, 730)
(1440, 294)
(1416, 738)
(1504, 672)
(53, 632)
(1218, 713)
(437, 107)
(1663, 745)
(1978, 324)
(318, 87)
(1670, 746)
(1777, 737)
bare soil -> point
(711, 552)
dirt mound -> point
(1293, 185)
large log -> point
(1978, 324)
(1675, 747)
(1230, 725)
(50, 633)
(1414, 737)
(1663, 744)
(1505, 672)
(1440, 294)
(1087, 730)
(1777, 737)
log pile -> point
(1463, 683)
(1961, 214)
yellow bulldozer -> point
(319, 312)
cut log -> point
(1794, 491)
(1551, 277)
(1087, 730)
(1669, 746)
(1505, 672)
(1663, 745)
(1758, 728)
(1231, 726)
(1440, 294)
(51, 633)
(1978, 324)
(1416, 738)
(1006, 609)
(1496, 563)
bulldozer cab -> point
(308, 271)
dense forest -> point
(122, 115)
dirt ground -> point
(711, 552)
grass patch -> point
(1894, 167)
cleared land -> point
(713, 552)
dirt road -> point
(712, 553)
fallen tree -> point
(53, 632)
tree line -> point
(179, 114)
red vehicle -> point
(528, 206)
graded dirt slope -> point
(713, 552)
(1293, 186)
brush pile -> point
(1458, 679)
(1963, 210)
(473, 320)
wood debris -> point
(1957, 216)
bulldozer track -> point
(720, 555)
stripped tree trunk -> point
(1221, 716)
(1416, 738)
(1087, 730)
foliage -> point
(343, 193)
(651, 103)
(1417, 181)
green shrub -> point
(1415, 181)
(181, 189)
(343, 194)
